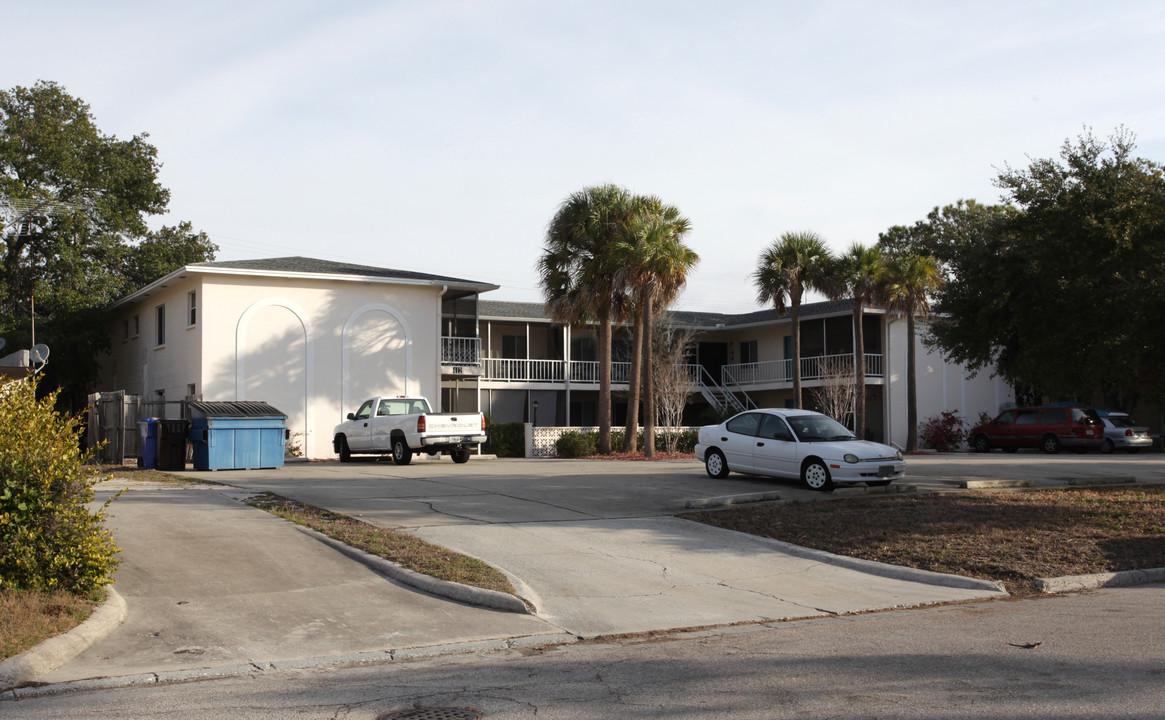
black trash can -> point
(172, 444)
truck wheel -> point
(345, 452)
(401, 455)
(460, 456)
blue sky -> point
(440, 136)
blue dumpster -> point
(237, 435)
(148, 427)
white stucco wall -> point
(314, 348)
(941, 386)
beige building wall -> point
(312, 347)
(942, 386)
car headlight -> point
(850, 458)
(898, 455)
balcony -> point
(776, 372)
(461, 356)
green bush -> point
(575, 444)
(48, 538)
(505, 439)
(685, 443)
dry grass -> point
(404, 550)
(1014, 537)
(27, 618)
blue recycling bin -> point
(237, 435)
(148, 427)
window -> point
(748, 352)
(134, 326)
(160, 330)
(514, 347)
(125, 329)
(746, 424)
(1027, 417)
(191, 308)
(190, 390)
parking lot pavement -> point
(212, 582)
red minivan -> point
(1049, 427)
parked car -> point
(1050, 427)
(798, 444)
(1121, 432)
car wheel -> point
(981, 444)
(1106, 446)
(1051, 444)
(816, 476)
(345, 452)
(460, 455)
(716, 464)
(401, 455)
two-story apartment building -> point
(532, 370)
(313, 338)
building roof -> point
(498, 309)
(304, 267)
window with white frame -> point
(160, 326)
(191, 308)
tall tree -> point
(654, 263)
(73, 201)
(577, 274)
(787, 268)
(1083, 246)
(910, 281)
(860, 273)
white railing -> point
(505, 369)
(781, 371)
(460, 350)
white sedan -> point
(797, 444)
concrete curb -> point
(56, 651)
(895, 572)
(1123, 578)
(469, 595)
(255, 668)
(725, 500)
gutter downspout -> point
(440, 351)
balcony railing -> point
(587, 371)
(812, 368)
(460, 350)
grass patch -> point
(403, 549)
(1013, 537)
(27, 617)
(130, 472)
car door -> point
(738, 440)
(775, 450)
(357, 430)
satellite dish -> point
(39, 354)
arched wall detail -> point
(345, 355)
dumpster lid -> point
(234, 409)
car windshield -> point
(818, 428)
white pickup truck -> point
(403, 426)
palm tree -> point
(654, 265)
(909, 281)
(861, 274)
(577, 276)
(790, 265)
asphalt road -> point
(1099, 654)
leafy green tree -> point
(577, 274)
(48, 538)
(73, 232)
(789, 266)
(910, 281)
(654, 263)
(1059, 291)
(860, 273)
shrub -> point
(48, 539)
(943, 433)
(685, 441)
(505, 439)
(575, 444)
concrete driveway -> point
(594, 545)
